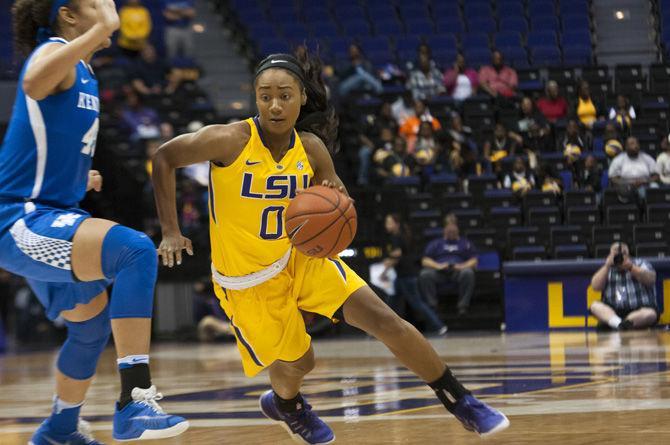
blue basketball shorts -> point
(36, 243)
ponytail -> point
(34, 21)
(317, 115)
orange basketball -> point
(321, 221)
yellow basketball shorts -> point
(266, 318)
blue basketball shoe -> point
(143, 418)
(304, 426)
(44, 436)
(479, 417)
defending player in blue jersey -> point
(67, 257)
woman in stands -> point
(67, 257)
(257, 165)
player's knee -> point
(85, 342)
(126, 248)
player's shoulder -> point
(236, 133)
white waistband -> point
(252, 279)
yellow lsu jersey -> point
(247, 202)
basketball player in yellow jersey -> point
(257, 166)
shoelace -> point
(84, 430)
(304, 421)
(149, 398)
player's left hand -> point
(333, 185)
(94, 181)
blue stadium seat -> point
(529, 253)
(339, 47)
(515, 56)
(580, 37)
(449, 24)
(472, 9)
(325, 29)
(388, 27)
(316, 11)
(545, 23)
(541, 8)
(374, 44)
(577, 55)
(541, 39)
(408, 43)
(283, 16)
(546, 56)
(507, 39)
(295, 31)
(475, 41)
(567, 179)
(488, 261)
(571, 252)
(357, 28)
(574, 7)
(446, 9)
(477, 57)
(419, 26)
(575, 21)
(413, 10)
(518, 24)
(482, 24)
(379, 58)
(443, 41)
(511, 10)
(348, 12)
(445, 57)
(381, 12)
(272, 46)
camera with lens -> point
(618, 257)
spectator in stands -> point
(498, 79)
(384, 141)
(461, 81)
(150, 74)
(628, 287)
(586, 109)
(612, 141)
(549, 180)
(589, 175)
(520, 180)
(425, 81)
(633, 170)
(663, 161)
(394, 163)
(358, 74)
(426, 148)
(450, 258)
(399, 256)
(460, 149)
(529, 117)
(141, 122)
(135, 27)
(409, 129)
(574, 142)
(499, 147)
(553, 106)
(179, 15)
(623, 114)
(403, 108)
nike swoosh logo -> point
(295, 231)
(249, 162)
(278, 61)
(85, 81)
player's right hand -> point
(107, 15)
(171, 246)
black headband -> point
(280, 61)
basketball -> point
(321, 221)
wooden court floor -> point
(560, 388)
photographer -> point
(449, 258)
(628, 287)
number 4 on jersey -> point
(90, 139)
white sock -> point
(614, 322)
(131, 360)
(60, 405)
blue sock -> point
(64, 417)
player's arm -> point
(53, 69)
(321, 162)
(217, 143)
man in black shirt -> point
(399, 257)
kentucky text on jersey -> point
(88, 102)
(276, 187)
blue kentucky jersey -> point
(49, 145)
